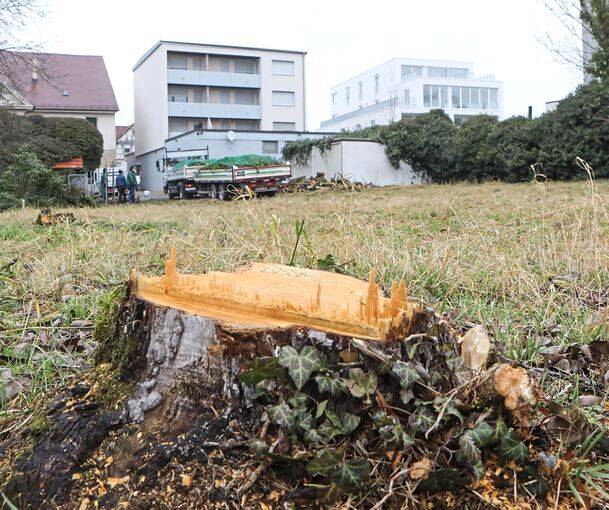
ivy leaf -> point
(304, 420)
(261, 370)
(282, 415)
(406, 373)
(321, 407)
(500, 430)
(298, 400)
(468, 453)
(352, 473)
(350, 423)
(421, 420)
(457, 366)
(312, 436)
(362, 384)
(443, 480)
(512, 448)
(534, 483)
(324, 462)
(406, 396)
(329, 383)
(300, 366)
(481, 434)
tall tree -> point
(15, 15)
(585, 42)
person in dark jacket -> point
(131, 183)
(121, 186)
(103, 185)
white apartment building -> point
(180, 87)
(405, 87)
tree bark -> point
(182, 403)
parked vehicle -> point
(224, 178)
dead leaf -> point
(420, 469)
(515, 386)
(348, 356)
(84, 504)
(113, 482)
(186, 480)
(475, 347)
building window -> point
(246, 96)
(411, 71)
(284, 98)
(407, 97)
(197, 63)
(456, 97)
(360, 90)
(465, 97)
(177, 125)
(455, 72)
(224, 96)
(494, 102)
(283, 67)
(197, 96)
(348, 94)
(437, 72)
(127, 149)
(444, 97)
(333, 97)
(224, 65)
(270, 147)
(474, 97)
(176, 61)
(284, 126)
(245, 66)
(92, 120)
(376, 85)
(484, 99)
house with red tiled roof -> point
(56, 85)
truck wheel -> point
(213, 193)
(222, 192)
(181, 193)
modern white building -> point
(405, 87)
(184, 86)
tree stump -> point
(219, 390)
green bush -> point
(29, 180)
(52, 139)
(483, 148)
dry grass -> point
(478, 252)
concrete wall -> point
(357, 160)
(150, 102)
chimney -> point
(34, 69)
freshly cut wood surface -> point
(274, 295)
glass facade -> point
(441, 96)
(410, 71)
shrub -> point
(30, 180)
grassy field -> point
(531, 261)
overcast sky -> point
(342, 38)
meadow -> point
(530, 261)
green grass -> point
(475, 252)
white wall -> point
(373, 108)
(150, 102)
(150, 87)
(357, 160)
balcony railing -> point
(214, 110)
(212, 78)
